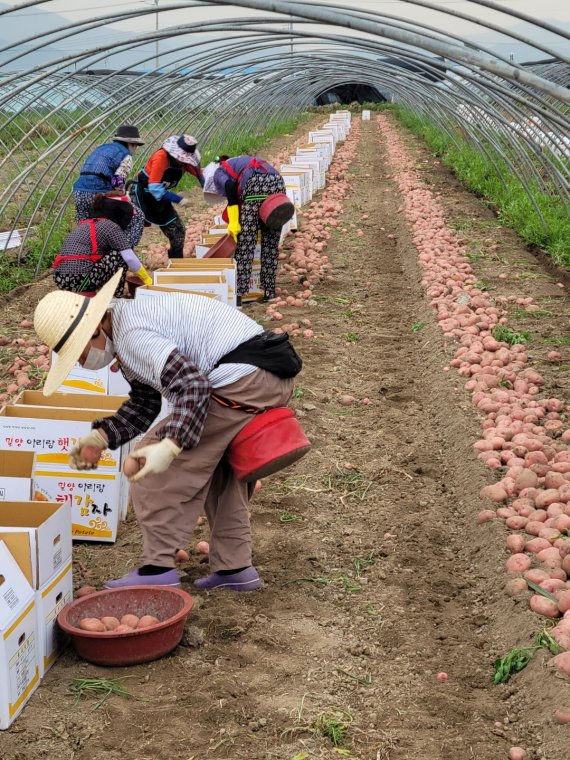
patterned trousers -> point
(94, 278)
(84, 209)
(247, 240)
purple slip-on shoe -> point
(246, 580)
(171, 578)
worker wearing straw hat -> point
(153, 193)
(174, 346)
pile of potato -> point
(126, 624)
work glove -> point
(234, 227)
(86, 453)
(158, 456)
(143, 275)
(184, 202)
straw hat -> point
(65, 322)
(183, 148)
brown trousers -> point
(168, 504)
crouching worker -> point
(206, 358)
(97, 249)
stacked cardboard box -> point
(19, 667)
(97, 498)
(210, 276)
(38, 537)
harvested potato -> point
(131, 620)
(92, 624)
(147, 620)
(110, 623)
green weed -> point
(417, 326)
(540, 314)
(334, 726)
(289, 517)
(487, 171)
(506, 335)
(98, 687)
(351, 337)
(363, 561)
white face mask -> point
(133, 149)
(97, 358)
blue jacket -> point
(99, 168)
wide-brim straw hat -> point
(174, 147)
(65, 322)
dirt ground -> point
(376, 576)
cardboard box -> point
(214, 283)
(72, 400)
(50, 600)
(321, 149)
(325, 148)
(323, 136)
(82, 380)
(295, 195)
(49, 430)
(16, 475)
(255, 289)
(94, 498)
(38, 536)
(19, 670)
(224, 267)
(117, 384)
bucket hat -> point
(211, 195)
(128, 134)
(65, 322)
(183, 148)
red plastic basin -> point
(170, 605)
(223, 249)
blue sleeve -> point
(172, 197)
(158, 191)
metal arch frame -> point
(501, 89)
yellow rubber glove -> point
(234, 227)
(143, 275)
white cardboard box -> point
(38, 536)
(16, 475)
(199, 267)
(215, 284)
(50, 430)
(94, 499)
(82, 380)
(50, 600)
(19, 669)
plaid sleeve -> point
(134, 417)
(189, 391)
